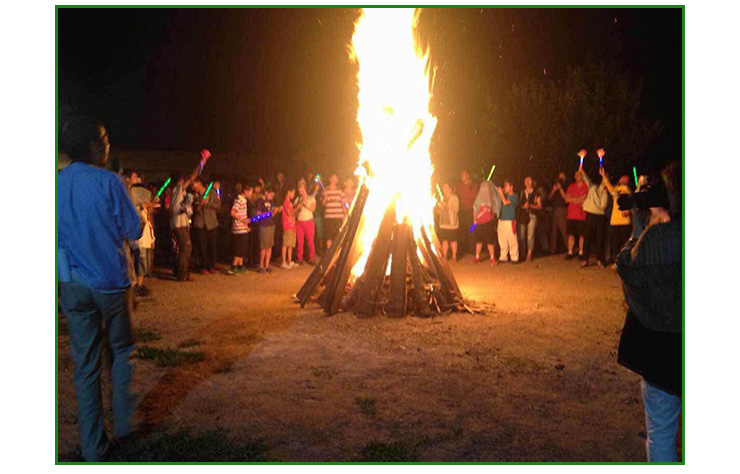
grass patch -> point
(366, 405)
(147, 335)
(183, 446)
(189, 343)
(382, 452)
(169, 357)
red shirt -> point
(467, 193)
(288, 218)
(575, 211)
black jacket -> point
(651, 272)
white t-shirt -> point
(306, 214)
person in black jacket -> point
(650, 267)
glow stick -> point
(260, 217)
(582, 154)
(166, 183)
(439, 191)
(218, 193)
(601, 154)
(346, 205)
(472, 227)
(490, 173)
(210, 185)
(634, 171)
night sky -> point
(279, 81)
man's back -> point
(95, 215)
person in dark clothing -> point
(650, 266)
(559, 213)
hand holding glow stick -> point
(582, 154)
(600, 153)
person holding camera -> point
(650, 266)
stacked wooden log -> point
(418, 283)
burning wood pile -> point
(385, 259)
(400, 277)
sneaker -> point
(232, 271)
(286, 266)
(569, 256)
(293, 264)
(268, 270)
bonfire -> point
(387, 257)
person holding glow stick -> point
(448, 207)
(467, 191)
(180, 220)
(595, 208)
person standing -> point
(348, 195)
(240, 229)
(95, 218)
(305, 226)
(576, 215)
(651, 342)
(595, 208)
(198, 233)
(334, 210)
(211, 207)
(253, 256)
(559, 213)
(266, 208)
(529, 212)
(486, 209)
(507, 224)
(449, 223)
(620, 222)
(180, 212)
(467, 191)
(288, 222)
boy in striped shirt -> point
(240, 229)
(334, 210)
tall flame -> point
(395, 121)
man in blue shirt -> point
(95, 216)
(507, 224)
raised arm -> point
(503, 196)
(204, 155)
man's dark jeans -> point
(184, 250)
(91, 315)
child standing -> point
(240, 230)
(288, 221)
(267, 229)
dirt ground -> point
(534, 379)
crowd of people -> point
(112, 226)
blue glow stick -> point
(260, 217)
(472, 227)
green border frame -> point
(56, 233)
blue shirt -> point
(95, 215)
(508, 212)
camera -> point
(652, 196)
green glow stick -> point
(166, 183)
(634, 171)
(491, 173)
(439, 191)
(210, 185)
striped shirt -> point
(239, 208)
(334, 208)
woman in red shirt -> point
(576, 215)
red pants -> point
(305, 230)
